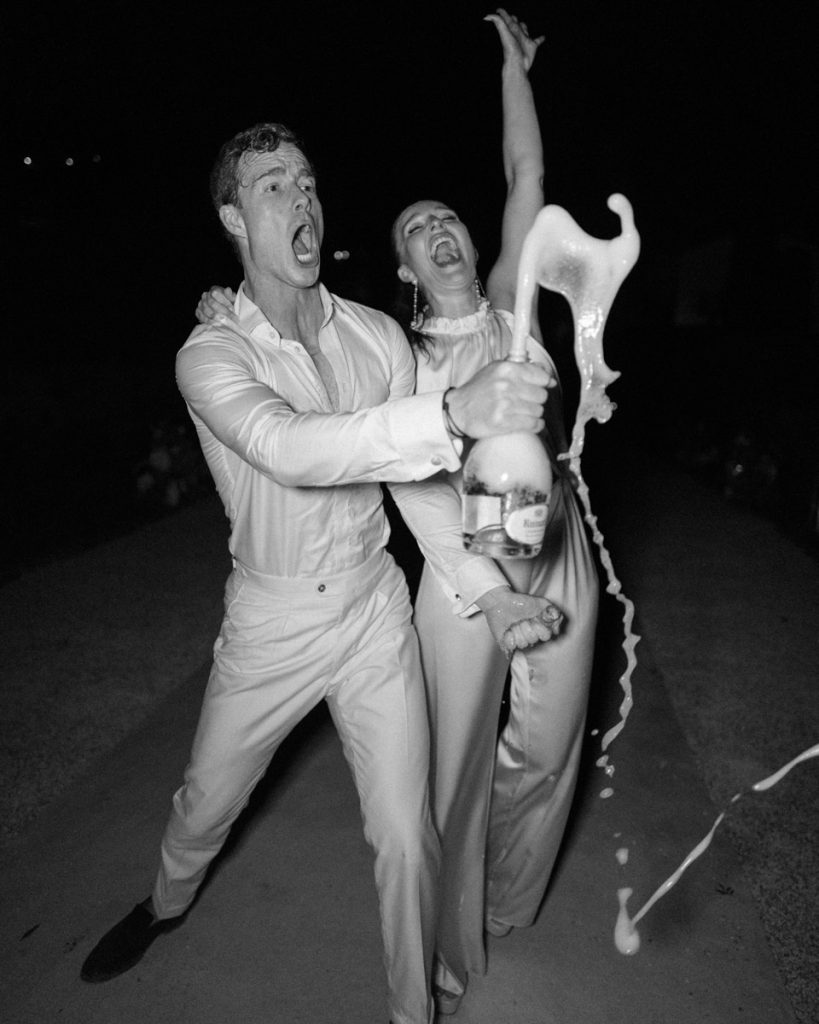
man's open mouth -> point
(305, 246)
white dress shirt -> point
(298, 481)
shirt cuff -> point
(420, 434)
(475, 578)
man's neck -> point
(296, 313)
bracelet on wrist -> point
(451, 426)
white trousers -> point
(285, 645)
(501, 807)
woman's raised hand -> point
(216, 306)
(515, 39)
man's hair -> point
(261, 138)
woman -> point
(455, 331)
(500, 806)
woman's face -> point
(434, 248)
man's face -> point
(279, 215)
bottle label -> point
(528, 524)
(525, 524)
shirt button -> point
(321, 588)
(436, 460)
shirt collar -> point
(252, 320)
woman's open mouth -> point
(444, 250)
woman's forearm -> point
(522, 143)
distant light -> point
(27, 161)
(69, 161)
(341, 254)
(96, 158)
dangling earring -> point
(480, 294)
(417, 319)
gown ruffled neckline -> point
(457, 325)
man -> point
(302, 407)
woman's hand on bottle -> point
(518, 621)
(518, 46)
(216, 306)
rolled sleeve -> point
(417, 428)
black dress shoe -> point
(124, 945)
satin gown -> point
(501, 805)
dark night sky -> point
(703, 114)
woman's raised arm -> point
(522, 158)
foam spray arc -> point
(557, 254)
(626, 936)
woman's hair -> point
(396, 241)
(402, 304)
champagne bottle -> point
(507, 482)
